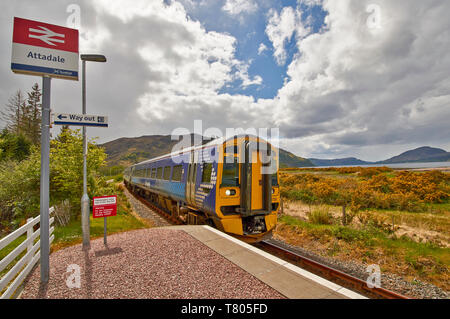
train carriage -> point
(230, 184)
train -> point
(231, 184)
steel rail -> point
(327, 272)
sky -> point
(362, 78)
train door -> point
(256, 181)
(256, 189)
(191, 179)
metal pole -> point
(104, 233)
(45, 173)
(85, 223)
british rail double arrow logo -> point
(47, 35)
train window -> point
(159, 173)
(230, 173)
(274, 179)
(206, 173)
(153, 172)
(166, 174)
(177, 173)
(231, 149)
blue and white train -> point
(231, 184)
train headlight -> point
(230, 192)
(273, 191)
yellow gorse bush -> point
(369, 188)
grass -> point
(320, 216)
(7, 250)
(402, 256)
(435, 218)
(71, 234)
(125, 220)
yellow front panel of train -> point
(257, 195)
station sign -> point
(44, 49)
(104, 206)
(80, 119)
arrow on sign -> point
(47, 35)
(80, 119)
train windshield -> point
(274, 179)
(230, 175)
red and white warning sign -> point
(105, 206)
(40, 48)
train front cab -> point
(247, 200)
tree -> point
(24, 116)
(14, 147)
(13, 114)
(66, 166)
(19, 190)
(19, 181)
(32, 114)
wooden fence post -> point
(29, 234)
(344, 218)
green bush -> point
(14, 147)
(19, 181)
(320, 216)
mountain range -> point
(130, 150)
(421, 154)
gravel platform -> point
(148, 263)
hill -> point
(287, 159)
(130, 150)
(421, 154)
(338, 161)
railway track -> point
(315, 267)
(326, 272)
(166, 218)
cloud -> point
(262, 48)
(236, 7)
(311, 3)
(353, 87)
(184, 66)
(350, 89)
(280, 29)
(243, 75)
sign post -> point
(80, 119)
(104, 206)
(45, 180)
(49, 51)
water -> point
(398, 165)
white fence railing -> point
(16, 275)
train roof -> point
(217, 141)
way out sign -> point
(44, 49)
(104, 206)
(80, 119)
